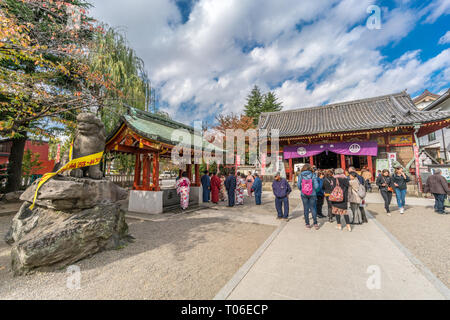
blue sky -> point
(204, 56)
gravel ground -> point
(423, 232)
(180, 257)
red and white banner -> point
(58, 153)
(416, 158)
(263, 164)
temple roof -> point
(387, 111)
(157, 128)
(437, 103)
(424, 95)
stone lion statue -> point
(89, 139)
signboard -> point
(381, 141)
(392, 158)
(58, 154)
(382, 164)
(401, 139)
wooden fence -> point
(122, 180)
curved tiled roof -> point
(378, 112)
(158, 128)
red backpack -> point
(337, 195)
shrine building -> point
(354, 133)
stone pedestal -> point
(150, 202)
(196, 195)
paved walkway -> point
(296, 263)
(375, 197)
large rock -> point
(73, 219)
(66, 193)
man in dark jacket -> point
(281, 190)
(438, 186)
(206, 185)
(257, 189)
(230, 185)
(386, 187)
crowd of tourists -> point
(343, 191)
(340, 191)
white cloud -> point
(445, 38)
(309, 52)
(436, 9)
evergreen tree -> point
(271, 103)
(258, 103)
(254, 104)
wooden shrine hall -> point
(148, 136)
(354, 133)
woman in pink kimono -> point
(249, 181)
(240, 187)
(183, 188)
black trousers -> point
(320, 200)
(231, 197)
(346, 217)
(387, 197)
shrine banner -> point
(367, 148)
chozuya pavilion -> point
(353, 133)
(148, 136)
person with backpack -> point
(339, 198)
(308, 186)
(400, 179)
(328, 186)
(385, 184)
(357, 193)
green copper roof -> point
(159, 128)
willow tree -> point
(112, 56)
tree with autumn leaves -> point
(56, 61)
(44, 71)
(257, 103)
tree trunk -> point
(15, 164)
